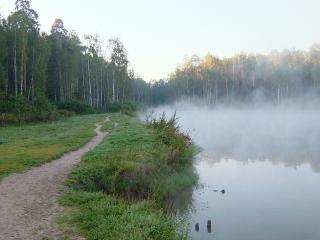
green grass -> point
(105, 217)
(119, 188)
(29, 145)
(107, 126)
(134, 163)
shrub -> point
(126, 108)
(42, 104)
(8, 118)
(65, 113)
(168, 131)
(14, 110)
(129, 108)
(113, 107)
(76, 106)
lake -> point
(267, 159)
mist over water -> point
(266, 157)
(286, 133)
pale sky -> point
(158, 34)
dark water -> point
(268, 162)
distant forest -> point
(61, 68)
(243, 77)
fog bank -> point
(288, 133)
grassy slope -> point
(25, 146)
(104, 217)
(131, 163)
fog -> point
(288, 133)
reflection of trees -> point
(181, 202)
(277, 155)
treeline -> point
(243, 77)
(35, 66)
(59, 66)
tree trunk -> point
(101, 86)
(113, 89)
(89, 76)
(107, 89)
(83, 86)
(15, 90)
(31, 95)
(21, 73)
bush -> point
(8, 118)
(65, 113)
(168, 131)
(76, 106)
(113, 107)
(14, 110)
(126, 108)
(42, 104)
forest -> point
(274, 77)
(39, 71)
(36, 66)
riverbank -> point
(119, 189)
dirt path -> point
(29, 201)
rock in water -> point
(209, 226)
(197, 227)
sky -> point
(158, 34)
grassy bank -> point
(119, 188)
(28, 145)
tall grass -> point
(168, 132)
(138, 161)
(107, 217)
(140, 166)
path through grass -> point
(29, 145)
(119, 188)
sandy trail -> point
(29, 201)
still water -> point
(268, 162)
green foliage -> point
(76, 106)
(18, 109)
(65, 113)
(62, 67)
(28, 145)
(133, 160)
(121, 187)
(106, 217)
(113, 107)
(168, 132)
(127, 108)
(42, 104)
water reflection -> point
(267, 161)
(289, 159)
(181, 203)
(262, 201)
